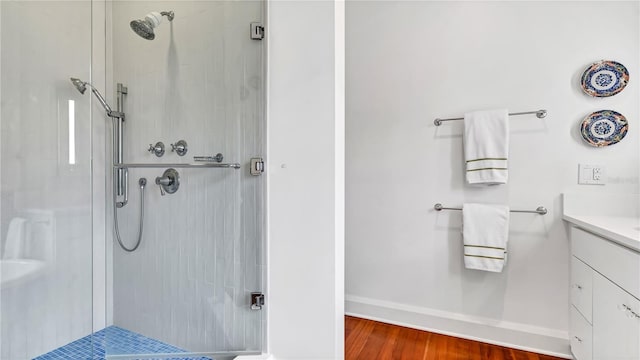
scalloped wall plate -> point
(604, 128)
(604, 78)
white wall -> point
(411, 62)
(305, 179)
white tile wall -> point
(42, 44)
(201, 255)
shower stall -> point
(132, 216)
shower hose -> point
(142, 183)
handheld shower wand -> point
(82, 87)
(118, 122)
(120, 175)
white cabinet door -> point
(616, 322)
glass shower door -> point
(46, 179)
(187, 288)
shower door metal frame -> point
(221, 355)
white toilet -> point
(28, 247)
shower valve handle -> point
(169, 182)
(160, 185)
(166, 181)
(163, 182)
(157, 149)
(180, 147)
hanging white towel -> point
(14, 242)
(485, 231)
(486, 146)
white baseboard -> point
(514, 335)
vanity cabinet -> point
(605, 309)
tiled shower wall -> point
(200, 80)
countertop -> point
(624, 230)
(612, 216)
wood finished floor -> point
(369, 340)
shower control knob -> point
(180, 147)
(157, 149)
(169, 182)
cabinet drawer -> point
(615, 262)
(582, 288)
(581, 336)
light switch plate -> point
(591, 174)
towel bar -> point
(540, 210)
(539, 114)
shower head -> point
(144, 27)
(82, 87)
(79, 84)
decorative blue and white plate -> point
(604, 78)
(604, 128)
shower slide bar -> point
(183, 165)
(539, 114)
(540, 210)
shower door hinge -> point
(257, 31)
(257, 166)
(257, 300)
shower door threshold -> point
(222, 355)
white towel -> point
(485, 231)
(14, 242)
(486, 146)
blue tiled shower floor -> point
(120, 341)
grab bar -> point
(183, 165)
(540, 210)
(539, 114)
